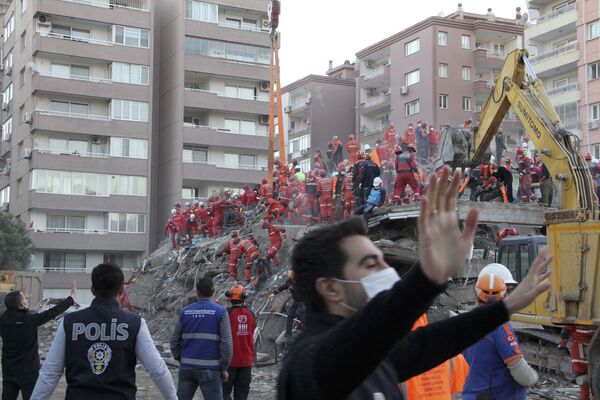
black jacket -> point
(370, 172)
(18, 329)
(371, 352)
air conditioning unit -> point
(593, 125)
(372, 92)
(44, 20)
(263, 119)
(8, 70)
(288, 109)
(95, 140)
(264, 86)
(26, 153)
(304, 152)
(28, 117)
(404, 90)
(369, 63)
(265, 25)
(387, 64)
(5, 105)
(387, 92)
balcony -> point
(299, 108)
(375, 104)
(227, 32)
(556, 62)
(488, 59)
(372, 129)
(231, 68)
(220, 173)
(90, 162)
(210, 100)
(95, 125)
(119, 12)
(483, 88)
(211, 136)
(89, 240)
(377, 78)
(552, 25)
(114, 203)
(49, 42)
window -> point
(299, 144)
(412, 78)
(113, 258)
(70, 71)
(565, 83)
(466, 104)
(195, 155)
(132, 148)
(128, 185)
(466, 73)
(229, 51)
(65, 223)
(130, 73)
(7, 129)
(411, 47)
(465, 41)
(62, 261)
(90, 184)
(9, 27)
(412, 108)
(19, 187)
(7, 96)
(443, 103)
(443, 38)
(189, 193)
(8, 61)
(595, 111)
(240, 126)
(129, 110)
(443, 70)
(596, 150)
(564, 44)
(498, 50)
(569, 114)
(128, 223)
(5, 195)
(200, 11)
(23, 39)
(233, 23)
(23, 6)
(22, 77)
(68, 107)
(593, 30)
(131, 36)
(239, 92)
(247, 161)
(594, 71)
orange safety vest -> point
(439, 383)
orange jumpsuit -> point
(325, 193)
(232, 248)
(352, 147)
(276, 236)
(248, 248)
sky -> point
(316, 31)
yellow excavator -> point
(573, 231)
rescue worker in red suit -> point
(285, 194)
(218, 210)
(201, 214)
(318, 158)
(232, 247)
(434, 142)
(311, 197)
(325, 195)
(410, 136)
(275, 210)
(382, 150)
(265, 191)
(242, 323)
(276, 236)
(349, 202)
(207, 229)
(177, 207)
(249, 199)
(190, 228)
(580, 339)
(300, 213)
(524, 168)
(390, 136)
(172, 230)
(352, 147)
(186, 211)
(248, 248)
(406, 166)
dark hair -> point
(107, 280)
(205, 287)
(319, 254)
(12, 300)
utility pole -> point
(273, 10)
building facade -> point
(316, 108)
(439, 70)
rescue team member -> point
(201, 342)
(581, 337)
(353, 303)
(243, 324)
(497, 367)
(352, 147)
(232, 248)
(98, 348)
(406, 166)
(18, 329)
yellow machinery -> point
(574, 230)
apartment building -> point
(76, 129)
(213, 117)
(439, 70)
(316, 108)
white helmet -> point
(173, 211)
(196, 201)
(500, 270)
(187, 204)
(202, 204)
(192, 217)
(367, 147)
(377, 182)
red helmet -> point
(361, 156)
(317, 165)
(341, 166)
(275, 174)
(294, 162)
(506, 232)
(588, 156)
(397, 149)
(236, 293)
(519, 150)
(322, 173)
(265, 224)
(264, 180)
(234, 234)
(538, 160)
(276, 161)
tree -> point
(15, 244)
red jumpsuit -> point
(300, 214)
(390, 136)
(218, 210)
(349, 196)
(406, 164)
(265, 192)
(325, 194)
(276, 236)
(285, 195)
(190, 228)
(382, 151)
(248, 248)
(312, 200)
(207, 229)
(249, 198)
(581, 337)
(352, 147)
(275, 210)
(410, 137)
(172, 229)
(232, 247)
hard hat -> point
(519, 150)
(187, 203)
(351, 137)
(236, 293)
(196, 201)
(234, 234)
(173, 211)
(335, 137)
(202, 204)
(588, 156)
(377, 182)
(500, 270)
(264, 180)
(367, 148)
(490, 288)
(526, 138)
(192, 216)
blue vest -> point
(201, 335)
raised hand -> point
(535, 283)
(74, 289)
(443, 249)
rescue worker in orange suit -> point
(172, 230)
(439, 383)
(338, 150)
(580, 339)
(406, 166)
(524, 168)
(312, 198)
(276, 236)
(242, 323)
(318, 158)
(350, 204)
(390, 135)
(275, 210)
(218, 212)
(352, 147)
(300, 208)
(265, 191)
(410, 136)
(232, 247)
(338, 192)
(249, 248)
(498, 369)
(285, 195)
(325, 195)
(381, 149)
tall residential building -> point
(213, 115)
(439, 70)
(317, 108)
(76, 128)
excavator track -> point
(540, 348)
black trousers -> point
(12, 385)
(238, 382)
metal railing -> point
(243, 27)
(555, 53)
(223, 94)
(75, 77)
(492, 53)
(76, 39)
(76, 231)
(224, 130)
(373, 129)
(563, 89)
(131, 4)
(300, 104)
(53, 113)
(376, 100)
(72, 153)
(222, 165)
(553, 14)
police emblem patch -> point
(99, 355)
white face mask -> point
(377, 282)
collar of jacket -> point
(320, 322)
(105, 302)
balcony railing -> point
(243, 27)
(132, 4)
(222, 165)
(372, 129)
(552, 54)
(76, 39)
(72, 153)
(376, 100)
(73, 115)
(300, 104)
(76, 77)
(223, 94)
(553, 14)
(83, 231)
(501, 55)
(377, 72)
(224, 130)
(563, 89)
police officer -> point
(104, 344)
